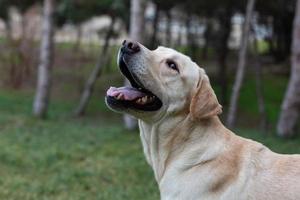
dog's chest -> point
(188, 185)
(196, 185)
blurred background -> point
(58, 140)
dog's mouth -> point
(135, 97)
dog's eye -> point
(171, 64)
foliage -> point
(211, 8)
(79, 11)
(166, 5)
(21, 5)
(281, 13)
(4, 5)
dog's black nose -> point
(130, 47)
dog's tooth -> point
(139, 100)
(145, 99)
(120, 96)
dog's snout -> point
(130, 47)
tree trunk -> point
(260, 98)
(137, 9)
(23, 27)
(180, 38)
(207, 36)
(41, 101)
(90, 84)
(168, 34)
(259, 88)
(241, 66)
(77, 43)
(153, 42)
(291, 103)
(225, 29)
(8, 29)
(192, 46)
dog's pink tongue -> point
(128, 93)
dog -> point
(193, 155)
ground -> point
(66, 158)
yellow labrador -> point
(192, 154)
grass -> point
(273, 91)
(285, 146)
(67, 158)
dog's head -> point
(163, 82)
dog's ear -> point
(204, 103)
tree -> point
(153, 40)
(207, 38)
(20, 49)
(281, 13)
(22, 7)
(74, 12)
(222, 12)
(4, 7)
(259, 88)
(95, 74)
(231, 119)
(224, 18)
(191, 38)
(41, 101)
(291, 103)
(137, 9)
(164, 6)
(113, 9)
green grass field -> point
(66, 158)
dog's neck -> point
(164, 141)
